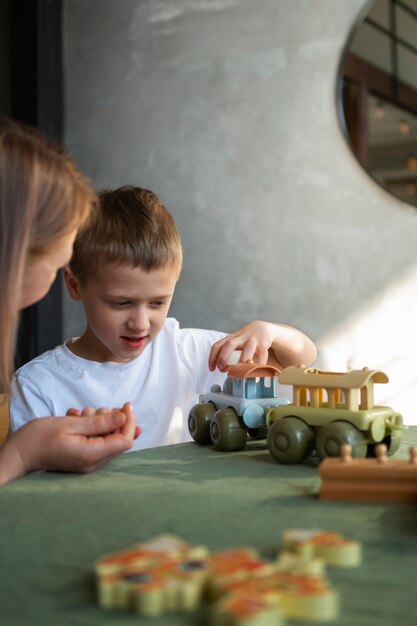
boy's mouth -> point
(133, 342)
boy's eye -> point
(157, 303)
(119, 305)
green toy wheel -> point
(290, 440)
(331, 437)
(392, 442)
(199, 422)
(227, 432)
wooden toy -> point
(299, 564)
(161, 575)
(230, 566)
(274, 593)
(330, 409)
(166, 574)
(225, 417)
(331, 547)
(240, 609)
(369, 480)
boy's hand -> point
(253, 339)
(90, 412)
(288, 346)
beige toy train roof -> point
(313, 377)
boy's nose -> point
(138, 321)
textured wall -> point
(226, 108)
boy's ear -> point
(72, 284)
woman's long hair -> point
(42, 197)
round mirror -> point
(377, 94)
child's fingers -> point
(95, 425)
(262, 354)
(129, 429)
(127, 409)
(223, 357)
(248, 350)
(214, 352)
(88, 412)
(221, 352)
(73, 412)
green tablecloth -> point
(53, 527)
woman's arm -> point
(69, 444)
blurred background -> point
(256, 122)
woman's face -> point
(40, 270)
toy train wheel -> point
(199, 422)
(331, 437)
(227, 432)
(392, 442)
(290, 440)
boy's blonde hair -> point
(43, 196)
(131, 227)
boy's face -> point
(126, 308)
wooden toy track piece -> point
(369, 480)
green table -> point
(53, 527)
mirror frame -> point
(340, 110)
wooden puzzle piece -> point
(148, 552)
(331, 547)
(294, 596)
(233, 565)
(299, 564)
(251, 591)
(152, 578)
(243, 610)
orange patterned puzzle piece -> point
(331, 547)
(152, 578)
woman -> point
(44, 200)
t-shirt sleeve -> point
(26, 402)
(195, 346)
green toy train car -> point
(328, 410)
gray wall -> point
(226, 108)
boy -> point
(124, 270)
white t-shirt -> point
(162, 383)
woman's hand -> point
(69, 444)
